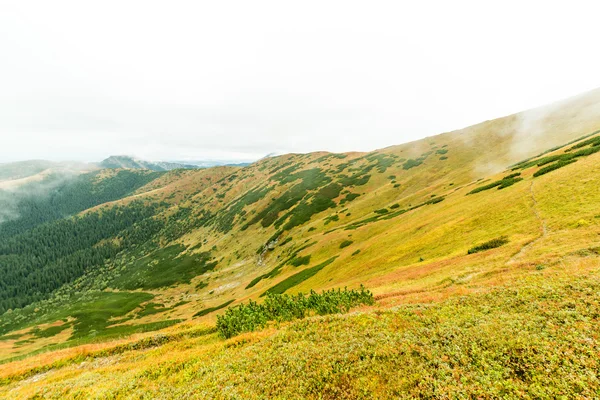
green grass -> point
(225, 220)
(298, 278)
(93, 316)
(164, 267)
(506, 343)
(565, 158)
(152, 308)
(298, 203)
(50, 331)
(510, 343)
(381, 162)
(209, 310)
(293, 259)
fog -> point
(237, 80)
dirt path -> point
(543, 229)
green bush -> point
(331, 218)
(349, 197)
(552, 167)
(492, 244)
(345, 243)
(280, 307)
(434, 200)
(505, 182)
(286, 241)
(298, 261)
(411, 163)
(201, 285)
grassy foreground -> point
(532, 338)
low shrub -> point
(298, 261)
(286, 241)
(345, 243)
(411, 163)
(281, 307)
(552, 167)
(492, 244)
(435, 200)
(349, 197)
(505, 182)
(331, 218)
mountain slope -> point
(133, 163)
(455, 214)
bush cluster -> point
(505, 182)
(281, 307)
(492, 244)
(552, 167)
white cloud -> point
(238, 79)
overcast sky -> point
(190, 80)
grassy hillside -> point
(480, 246)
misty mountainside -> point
(209, 164)
(128, 162)
(431, 227)
(23, 169)
(15, 174)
